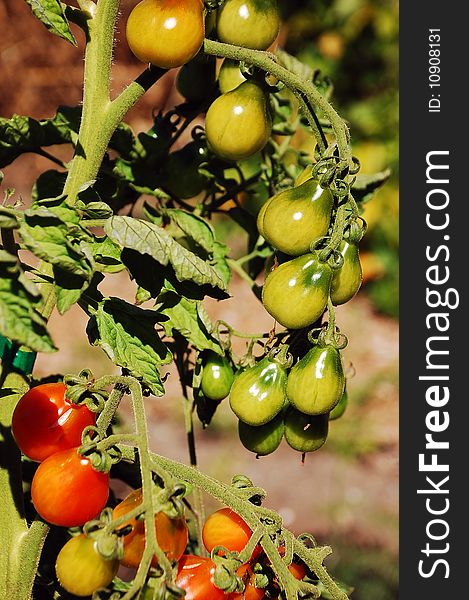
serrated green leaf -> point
(194, 227)
(50, 239)
(51, 14)
(20, 320)
(21, 134)
(149, 239)
(49, 184)
(68, 289)
(95, 210)
(366, 185)
(107, 255)
(127, 335)
(188, 318)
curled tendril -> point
(314, 334)
(320, 241)
(308, 540)
(353, 170)
(356, 230)
(241, 481)
(89, 437)
(335, 259)
(340, 189)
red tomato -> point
(67, 491)
(195, 576)
(44, 421)
(171, 534)
(226, 528)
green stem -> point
(235, 266)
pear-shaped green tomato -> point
(316, 383)
(264, 439)
(217, 377)
(339, 408)
(347, 280)
(230, 76)
(239, 123)
(296, 293)
(296, 217)
(248, 23)
(305, 433)
(260, 218)
(258, 393)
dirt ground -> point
(345, 494)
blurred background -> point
(347, 493)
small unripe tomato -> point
(166, 33)
(248, 23)
(217, 377)
(263, 439)
(297, 216)
(81, 570)
(67, 491)
(347, 280)
(339, 408)
(238, 124)
(230, 76)
(44, 421)
(305, 433)
(316, 383)
(296, 292)
(171, 534)
(196, 79)
(258, 393)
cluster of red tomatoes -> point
(169, 33)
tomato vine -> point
(76, 230)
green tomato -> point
(305, 433)
(217, 377)
(347, 280)
(81, 570)
(298, 216)
(230, 76)
(258, 393)
(296, 293)
(339, 408)
(316, 383)
(263, 439)
(196, 79)
(181, 175)
(238, 124)
(304, 175)
(248, 23)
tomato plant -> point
(44, 421)
(58, 485)
(81, 570)
(166, 33)
(263, 154)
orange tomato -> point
(226, 528)
(171, 534)
(166, 33)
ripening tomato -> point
(171, 534)
(239, 123)
(296, 292)
(166, 33)
(316, 383)
(44, 421)
(67, 491)
(217, 377)
(248, 23)
(296, 217)
(226, 528)
(195, 576)
(81, 570)
(251, 592)
(258, 393)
